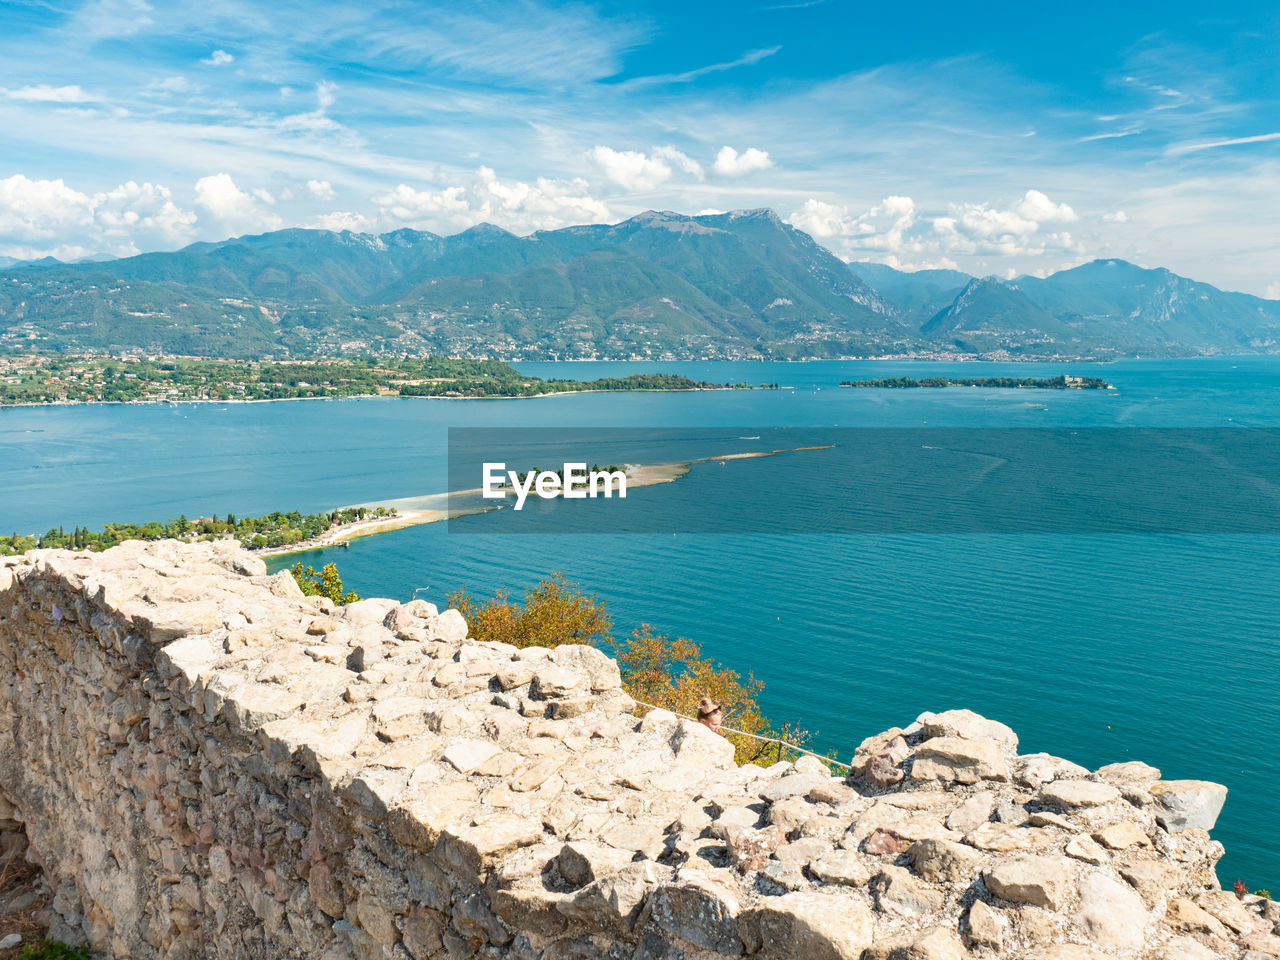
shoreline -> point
(434, 507)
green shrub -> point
(53, 950)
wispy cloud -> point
(748, 59)
(1182, 148)
(45, 93)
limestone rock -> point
(1181, 804)
(1034, 769)
(966, 725)
(942, 861)
(1149, 878)
(973, 812)
(815, 926)
(959, 759)
(582, 861)
(1185, 916)
(1111, 913)
(898, 893)
(466, 755)
(1084, 847)
(1071, 794)
(842, 866)
(701, 910)
(1122, 835)
(1040, 881)
(1131, 771)
(987, 926)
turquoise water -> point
(1098, 648)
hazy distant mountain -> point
(740, 284)
(1106, 307)
(919, 295)
(989, 315)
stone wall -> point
(208, 764)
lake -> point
(1097, 647)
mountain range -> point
(734, 285)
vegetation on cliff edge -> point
(657, 670)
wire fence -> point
(755, 736)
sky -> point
(995, 138)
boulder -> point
(1150, 878)
(943, 860)
(966, 725)
(449, 627)
(1084, 847)
(842, 866)
(1070, 794)
(1131, 771)
(584, 860)
(813, 925)
(702, 910)
(937, 943)
(1187, 803)
(960, 759)
(1037, 768)
(1122, 835)
(466, 755)
(987, 926)
(972, 812)
(1184, 916)
(900, 894)
(1040, 881)
(1111, 913)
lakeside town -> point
(47, 379)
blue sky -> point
(1019, 139)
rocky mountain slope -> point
(742, 284)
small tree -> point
(656, 669)
(554, 612)
(326, 583)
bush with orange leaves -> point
(656, 670)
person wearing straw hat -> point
(710, 715)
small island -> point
(1064, 382)
(49, 379)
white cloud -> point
(678, 159)
(219, 196)
(1179, 149)
(709, 212)
(341, 220)
(903, 238)
(113, 18)
(1119, 216)
(41, 209)
(730, 163)
(132, 209)
(514, 204)
(321, 189)
(169, 85)
(1039, 208)
(631, 169)
(219, 58)
(44, 93)
(1273, 291)
(48, 217)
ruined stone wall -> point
(208, 764)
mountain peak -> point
(483, 230)
(759, 213)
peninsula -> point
(1064, 382)
(49, 379)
